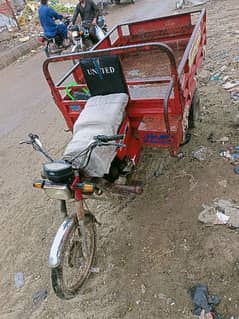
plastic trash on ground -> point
(202, 153)
(19, 280)
(204, 304)
(230, 85)
(221, 212)
(39, 296)
(231, 153)
(235, 96)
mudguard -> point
(57, 245)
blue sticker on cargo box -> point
(151, 138)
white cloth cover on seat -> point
(102, 115)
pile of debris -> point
(181, 4)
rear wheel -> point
(194, 113)
(74, 267)
(51, 49)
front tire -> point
(73, 264)
(78, 48)
(46, 49)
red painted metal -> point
(167, 53)
(78, 193)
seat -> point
(102, 114)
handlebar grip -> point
(33, 136)
(105, 138)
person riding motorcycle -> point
(47, 17)
(89, 12)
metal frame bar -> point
(174, 80)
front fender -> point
(78, 46)
(57, 245)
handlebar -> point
(37, 145)
(33, 138)
(99, 140)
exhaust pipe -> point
(135, 189)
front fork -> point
(78, 45)
(64, 231)
(80, 214)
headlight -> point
(58, 191)
(75, 34)
(55, 191)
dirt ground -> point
(150, 249)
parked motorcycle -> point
(54, 45)
(81, 37)
(73, 249)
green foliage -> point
(61, 8)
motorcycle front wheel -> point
(74, 268)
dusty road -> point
(150, 250)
